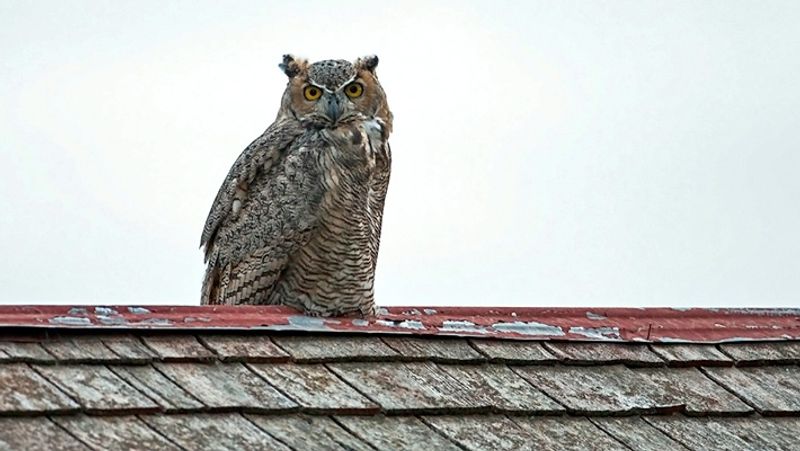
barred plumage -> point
(297, 220)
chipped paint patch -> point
(529, 328)
(429, 311)
(78, 311)
(360, 323)
(462, 326)
(70, 321)
(138, 310)
(414, 312)
(311, 322)
(192, 319)
(112, 320)
(155, 322)
(597, 333)
(382, 311)
(595, 316)
(405, 324)
(765, 311)
(106, 311)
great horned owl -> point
(297, 221)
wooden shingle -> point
(29, 352)
(114, 433)
(24, 391)
(403, 433)
(522, 352)
(244, 348)
(89, 349)
(607, 353)
(692, 355)
(445, 350)
(781, 352)
(751, 434)
(637, 434)
(178, 348)
(151, 382)
(616, 390)
(311, 349)
(36, 434)
(564, 433)
(503, 389)
(227, 386)
(308, 432)
(314, 388)
(770, 389)
(485, 432)
(229, 431)
(129, 349)
(97, 389)
(413, 387)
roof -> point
(265, 379)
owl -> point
(297, 220)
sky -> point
(545, 153)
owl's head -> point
(330, 93)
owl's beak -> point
(333, 108)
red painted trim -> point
(594, 324)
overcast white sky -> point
(630, 153)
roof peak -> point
(665, 325)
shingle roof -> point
(127, 386)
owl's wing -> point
(244, 253)
(259, 156)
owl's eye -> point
(312, 93)
(354, 90)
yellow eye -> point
(354, 90)
(312, 93)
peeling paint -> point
(155, 322)
(112, 320)
(597, 333)
(107, 311)
(664, 325)
(405, 324)
(529, 328)
(311, 322)
(191, 319)
(763, 311)
(71, 321)
(382, 311)
(462, 326)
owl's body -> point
(297, 221)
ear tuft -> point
(369, 62)
(291, 66)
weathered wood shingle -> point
(315, 388)
(36, 434)
(228, 386)
(306, 432)
(410, 387)
(24, 391)
(228, 390)
(770, 389)
(114, 433)
(98, 389)
(313, 349)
